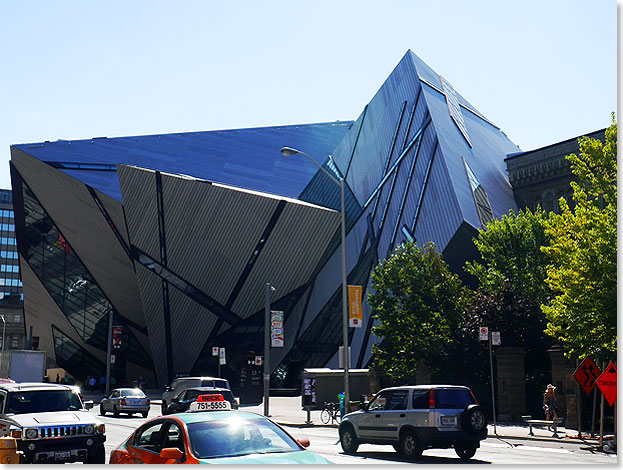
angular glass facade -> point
(196, 224)
(72, 288)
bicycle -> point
(330, 413)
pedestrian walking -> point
(92, 384)
(103, 384)
(549, 403)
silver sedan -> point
(125, 400)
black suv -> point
(415, 418)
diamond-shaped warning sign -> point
(587, 374)
(607, 383)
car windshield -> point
(134, 393)
(41, 401)
(453, 399)
(234, 437)
(215, 383)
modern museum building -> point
(177, 235)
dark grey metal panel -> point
(85, 228)
(290, 255)
(191, 324)
(211, 231)
(138, 187)
(440, 217)
(329, 277)
(115, 212)
(150, 287)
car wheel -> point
(465, 451)
(115, 411)
(348, 440)
(474, 420)
(163, 407)
(144, 413)
(102, 412)
(410, 448)
(98, 457)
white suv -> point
(51, 423)
(415, 418)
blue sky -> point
(544, 71)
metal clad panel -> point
(247, 158)
(290, 255)
(378, 129)
(150, 288)
(212, 231)
(440, 217)
(139, 200)
(190, 326)
(329, 278)
(82, 224)
(115, 211)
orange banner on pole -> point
(355, 312)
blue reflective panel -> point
(246, 158)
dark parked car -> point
(181, 403)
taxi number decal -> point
(210, 406)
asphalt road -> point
(324, 441)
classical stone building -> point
(542, 176)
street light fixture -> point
(288, 152)
(3, 328)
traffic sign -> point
(587, 374)
(607, 383)
(484, 333)
(496, 340)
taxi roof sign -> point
(210, 403)
(209, 398)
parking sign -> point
(484, 333)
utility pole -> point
(109, 351)
(267, 295)
(492, 387)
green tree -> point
(511, 274)
(583, 272)
(416, 302)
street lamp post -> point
(288, 151)
(2, 354)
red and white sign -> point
(587, 374)
(607, 383)
(484, 333)
(496, 339)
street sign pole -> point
(492, 387)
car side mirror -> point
(364, 405)
(171, 453)
(303, 441)
(167, 388)
(174, 400)
(88, 404)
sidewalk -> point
(288, 411)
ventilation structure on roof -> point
(483, 207)
(454, 108)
